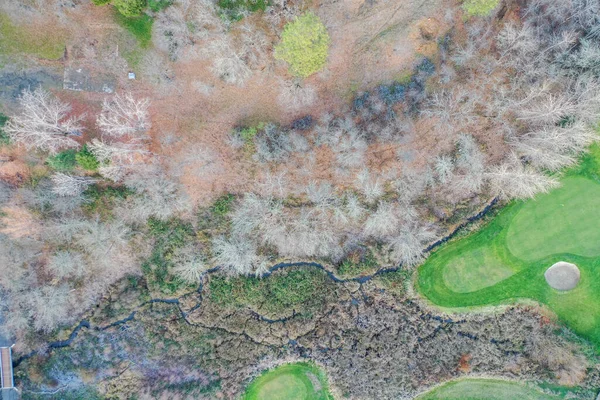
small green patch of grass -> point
(16, 39)
(63, 161)
(476, 270)
(479, 8)
(139, 26)
(299, 381)
(235, 10)
(490, 389)
(299, 289)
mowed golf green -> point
(505, 261)
(299, 381)
(484, 389)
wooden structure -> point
(6, 369)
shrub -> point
(479, 8)
(247, 134)
(63, 161)
(303, 123)
(86, 159)
(222, 206)
(4, 138)
(304, 45)
(100, 2)
(130, 8)
(358, 263)
(299, 290)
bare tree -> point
(123, 115)
(157, 195)
(554, 147)
(190, 267)
(65, 263)
(228, 64)
(353, 208)
(48, 307)
(252, 213)
(69, 185)
(471, 164)
(320, 194)
(444, 166)
(238, 255)
(383, 222)
(370, 186)
(295, 95)
(306, 233)
(408, 245)
(116, 153)
(516, 181)
(44, 123)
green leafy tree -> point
(86, 159)
(130, 8)
(63, 161)
(304, 45)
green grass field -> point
(505, 260)
(484, 389)
(299, 381)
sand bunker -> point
(562, 276)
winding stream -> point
(360, 280)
